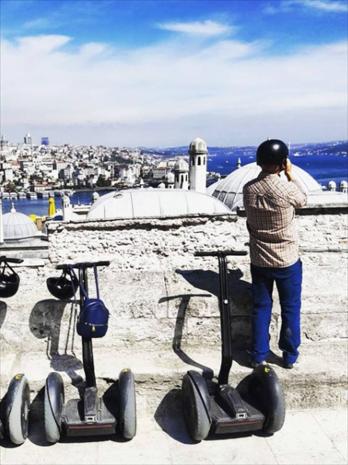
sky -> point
(162, 72)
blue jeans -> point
(289, 283)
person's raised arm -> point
(298, 197)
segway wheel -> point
(17, 405)
(266, 394)
(53, 406)
(195, 411)
(127, 419)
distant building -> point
(3, 142)
(45, 141)
(28, 139)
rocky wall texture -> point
(159, 294)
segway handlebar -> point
(220, 253)
(10, 260)
(82, 265)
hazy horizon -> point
(168, 147)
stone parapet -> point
(156, 290)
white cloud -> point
(228, 92)
(333, 6)
(329, 6)
(206, 28)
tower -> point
(198, 165)
(181, 174)
(67, 208)
(28, 139)
(170, 180)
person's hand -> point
(288, 169)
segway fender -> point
(265, 387)
(55, 395)
(17, 401)
(202, 388)
(196, 405)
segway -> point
(213, 406)
(14, 407)
(89, 415)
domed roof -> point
(230, 189)
(181, 165)
(198, 145)
(18, 226)
(154, 203)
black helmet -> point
(272, 152)
(62, 287)
(9, 282)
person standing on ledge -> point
(270, 204)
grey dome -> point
(181, 165)
(230, 189)
(198, 145)
(154, 203)
(18, 226)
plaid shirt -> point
(270, 206)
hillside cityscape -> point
(31, 170)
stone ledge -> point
(319, 379)
(142, 223)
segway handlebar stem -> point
(219, 253)
(10, 260)
(82, 265)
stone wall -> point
(159, 294)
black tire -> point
(262, 389)
(53, 406)
(17, 404)
(195, 411)
(127, 416)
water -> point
(39, 207)
(323, 168)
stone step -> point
(318, 380)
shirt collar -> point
(263, 175)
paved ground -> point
(317, 436)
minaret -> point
(181, 174)
(198, 165)
(67, 208)
(170, 178)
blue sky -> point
(155, 72)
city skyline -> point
(160, 73)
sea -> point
(323, 168)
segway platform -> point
(231, 414)
(75, 423)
